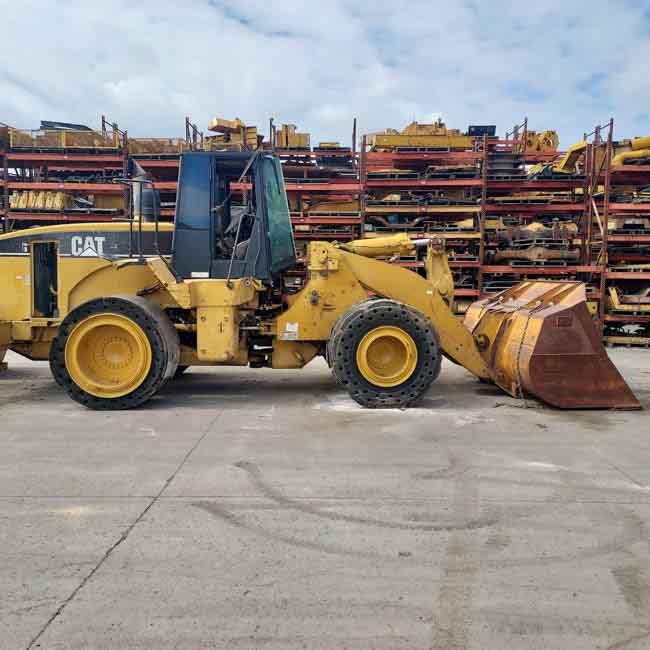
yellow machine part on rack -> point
(631, 303)
(421, 136)
(572, 162)
(287, 137)
(628, 150)
(544, 142)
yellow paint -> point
(568, 162)
(624, 156)
(510, 326)
(614, 303)
(400, 244)
(438, 272)
(415, 135)
(220, 307)
(640, 143)
(81, 280)
(339, 279)
(179, 291)
(387, 356)
(218, 336)
(108, 355)
(15, 288)
(292, 354)
(109, 226)
(546, 141)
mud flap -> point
(538, 338)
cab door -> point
(45, 279)
(193, 241)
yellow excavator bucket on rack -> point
(538, 338)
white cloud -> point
(320, 64)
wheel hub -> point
(108, 355)
(387, 356)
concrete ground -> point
(264, 509)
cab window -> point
(283, 252)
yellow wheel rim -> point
(108, 355)
(387, 356)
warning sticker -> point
(290, 332)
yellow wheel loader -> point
(120, 308)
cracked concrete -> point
(263, 509)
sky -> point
(566, 65)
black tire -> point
(180, 370)
(348, 333)
(156, 326)
(339, 326)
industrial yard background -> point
(509, 207)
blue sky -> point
(566, 65)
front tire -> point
(384, 353)
(114, 353)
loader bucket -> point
(538, 338)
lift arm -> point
(429, 296)
(339, 278)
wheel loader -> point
(120, 308)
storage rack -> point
(490, 191)
(624, 245)
(80, 162)
(402, 195)
(323, 189)
(60, 161)
(610, 257)
(519, 202)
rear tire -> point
(384, 353)
(114, 353)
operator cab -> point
(229, 232)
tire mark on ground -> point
(321, 547)
(628, 535)
(253, 471)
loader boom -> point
(432, 296)
(424, 294)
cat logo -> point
(88, 246)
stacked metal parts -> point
(61, 172)
(509, 209)
(426, 180)
(627, 243)
(232, 134)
